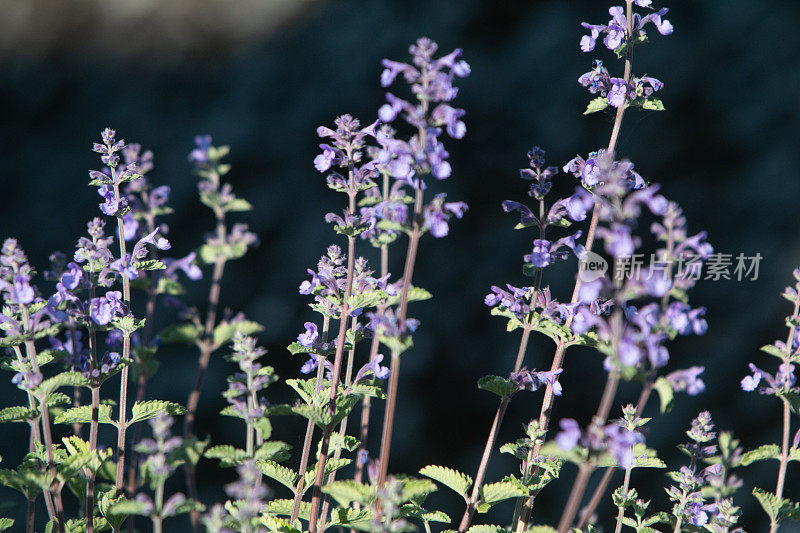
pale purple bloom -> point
(372, 369)
(569, 435)
(110, 206)
(687, 380)
(310, 336)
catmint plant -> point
(79, 326)
(780, 385)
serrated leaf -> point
(774, 351)
(448, 477)
(486, 528)
(494, 493)
(83, 415)
(281, 474)
(273, 450)
(64, 379)
(6, 523)
(500, 386)
(15, 414)
(597, 104)
(415, 294)
(227, 455)
(347, 491)
(151, 408)
(769, 502)
(435, 516)
(767, 451)
(414, 489)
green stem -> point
(621, 512)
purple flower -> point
(686, 320)
(569, 435)
(618, 93)
(784, 378)
(687, 380)
(372, 369)
(437, 214)
(310, 336)
(22, 292)
(110, 206)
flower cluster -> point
(613, 438)
(695, 484)
(244, 387)
(616, 30)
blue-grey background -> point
(260, 76)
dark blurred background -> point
(262, 75)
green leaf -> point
(347, 491)
(64, 379)
(181, 333)
(597, 104)
(653, 104)
(486, 528)
(238, 204)
(769, 502)
(415, 294)
(367, 299)
(227, 455)
(83, 415)
(767, 451)
(494, 493)
(273, 450)
(6, 523)
(665, 393)
(542, 529)
(414, 489)
(448, 477)
(16, 414)
(793, 397)
(150, 264)
(774, 351)
(151, 408)
(281, 474)
(500, 386)
(127, 507)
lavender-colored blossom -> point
(687, 380)
(373, 369)
(310, 336)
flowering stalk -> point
(298, 491)
(337, 363)
(626, 37)
(30, 351)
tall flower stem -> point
(95, 420)
(126, 351)
(337, 362)
(366, 403)
(206, 347)
(602, 486)
(35, 437)
(586, 469)
(621, 512)
(298, 491)
(141, 382)
(491, 440)
(348, 379)
(784, 457)
(30, 351)
(391, 397)
(558, 358)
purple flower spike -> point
(310, 336)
